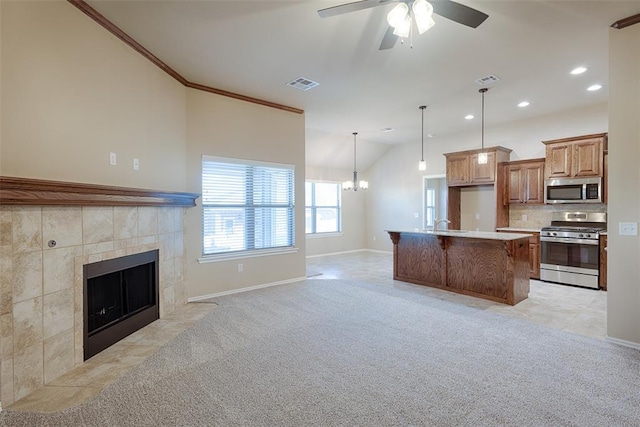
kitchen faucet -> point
(438, 221)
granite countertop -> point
(519, 229)
(490, 235)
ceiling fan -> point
(452, 10)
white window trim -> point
(256, 253)
(320, 235)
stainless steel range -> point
(569, 251)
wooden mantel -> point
(26, 191)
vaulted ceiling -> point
(254, 48)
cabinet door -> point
(558, 160)
(587, 157)
(534, 260)
(516, 184)
(458, 170)
(533, 183)
(485, 173)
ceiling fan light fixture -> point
(423, 13)
(398, 14)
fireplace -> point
(120, 297)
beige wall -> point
(225, 127)
(353, 216)
(396, 183)
(478, 208)
(623, 303)
(72, 93)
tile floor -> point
(582, 311)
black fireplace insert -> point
(120, 297)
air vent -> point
(492, 78)
(302, 83)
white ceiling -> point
(255, 47)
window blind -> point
(246, 205)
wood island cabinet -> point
(580, 156)
(534, 251)
(525, 182)
(463, 168)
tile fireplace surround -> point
(41, 301)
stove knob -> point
(554, 234)
(587, 236)
(580, 235)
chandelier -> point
(355, 185)
(400, 17)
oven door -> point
(570, 261)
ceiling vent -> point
(492, 78)
(302, 83)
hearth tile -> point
(58, 312)
(124, 354)
(125, 222)
(166, 243)
(178, 242)
(91, 375)
(27, 275)
(166, 222)
(27, 370)
(168, 304)
(58, 355)
(6, 336)
(97, 224)
(125, 243)
(147, 240)
(98, 248)
(27, 324)
(27, 229)
(167, 274)
(55, 398)
(6, 286)
(6, 226)
(58, 267)
(147, 221)
(62, 224)
(6, 381)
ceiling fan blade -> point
(350, 7)
(459, 13)
(389, 40)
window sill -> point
(246, 254)
(319, 235)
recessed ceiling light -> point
(387, 129)
(578, 70)
(469, 116)
(523, 104)
(594, 87)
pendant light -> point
(355, 185)
(422, 165)
(482, 156)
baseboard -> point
(624, 343)
(248, 288)
(350, 252)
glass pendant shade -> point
(423, 12)
(398, 14)
(422, 165)
(482, 158)
(404, 28)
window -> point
(246, 205)
(322, 213)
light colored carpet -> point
(335, 352)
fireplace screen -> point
(120, 297)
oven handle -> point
(568, 240)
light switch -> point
(416, 215)
(477, 216)
(628, 229)
(136, 164)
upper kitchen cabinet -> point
(525, 181)
(463, 167)
(580, 156)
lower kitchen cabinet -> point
(603, 262)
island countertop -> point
(466, 234)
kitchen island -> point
(493, 266)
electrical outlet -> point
(477, 216)
(524, 217)
(240, 268)
(112, 159)
(136, 164)
(416, 215)
(628, 229)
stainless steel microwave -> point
(573, 190)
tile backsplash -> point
(538, 216)
(41, 320)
